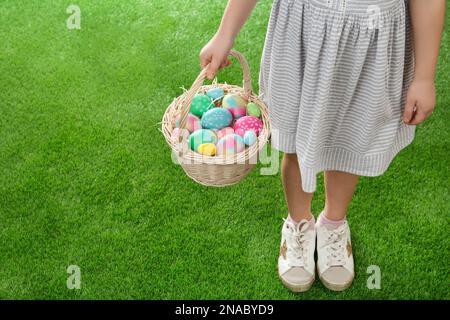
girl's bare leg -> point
(339, 189)
(299, 202)
(335, 263)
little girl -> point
(346, 82)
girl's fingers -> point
(419, 117)
(204, 61)
(205, 57)
(213, 68)
(214, 65)
(409, 111)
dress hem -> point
(338, 159)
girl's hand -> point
(215, 53)
(420, 101)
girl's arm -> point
(427, 22)
(217, 50)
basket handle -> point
(185, 106)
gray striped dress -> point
(334, 74)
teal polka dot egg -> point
(201, 136)
(200, 104)
(217, 119)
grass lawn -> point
(86, 177)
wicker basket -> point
(216, 171)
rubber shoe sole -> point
(334, 286)
(297, 288)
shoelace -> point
(297, 244)
(336, 246)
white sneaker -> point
(296, 267)
(334, 256)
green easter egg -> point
(200, 104)
(253, 110)
(201, 136)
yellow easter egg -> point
(207, 149)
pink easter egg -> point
(238, 112)
(240, 132)
(225, 131)
(246, 123)
(230, 145)
(193, 123)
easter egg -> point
(193, 123)
(247, 123)
(216, 118)
(253, 110)
(207, 149)
(230, 144)
(250, 138)
(215, 94)
(200, 137)
(200, 104)
(177, 132)
(240, 132)
(225, 131)
(233, 101)
(238, 112)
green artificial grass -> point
(86, 177)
